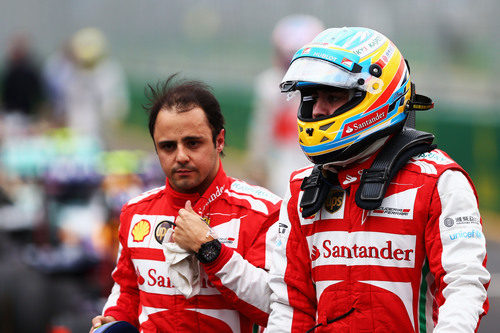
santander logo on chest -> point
(362, 248)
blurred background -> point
(74, 144)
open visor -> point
(317, 71)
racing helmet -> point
(372, 69)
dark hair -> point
(183, 95)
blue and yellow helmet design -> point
(370, 66)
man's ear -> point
(220, 140)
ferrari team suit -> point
(415, 264)
(234, 293)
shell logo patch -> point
(141, 230)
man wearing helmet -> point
(383, 233)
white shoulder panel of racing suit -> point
(463, 254)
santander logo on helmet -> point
(369, 66)
(364, 122)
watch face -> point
(209, 251)
(211, 254)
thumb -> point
(188, 206)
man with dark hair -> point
(184, 97)
(215, 224)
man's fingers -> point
(188, 206)
(96, 322)
(100, 320)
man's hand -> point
(100, 320)
(190, 231)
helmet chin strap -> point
(361, 157)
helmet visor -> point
(317, 71)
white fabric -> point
(182, 266)
(464, 250)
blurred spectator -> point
(273, 142)
(21, 88)
(87, 87)
(57, 75)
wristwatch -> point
(209, 251)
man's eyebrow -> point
(166, 141)
(193, 137)
(186, 138)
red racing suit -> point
(234, 292)
(415, 264)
